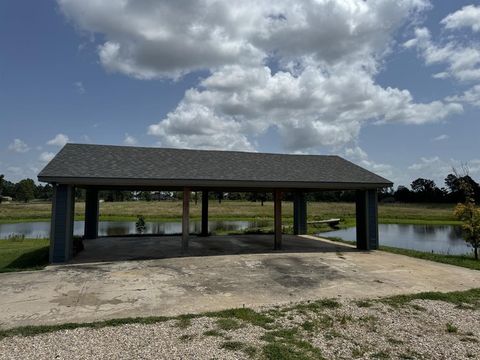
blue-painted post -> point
(61, 231)
(277, 210)
(367, 219)
(91, 214)
(204, 231)
(299, 213)
(185, 219)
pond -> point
(119, 228)
(440, 239)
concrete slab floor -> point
(308, 268)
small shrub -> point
(212, 333)
(232, 345)
(250, 351)
(451, 328)
(184, 322)
(16, 237)
(363, 303)
(186, 337)
(228, 324)
(140, 225)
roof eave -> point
(192, 183)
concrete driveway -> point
(308, 268)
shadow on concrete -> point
(31, 260)
(161, 247)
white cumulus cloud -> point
(79, 87)
(306, 69)
(360, 157)
(58, 140)
(46, 156)
(470, 96)
(462, 61)
(437, 168)
(129, 140)
(18, 146)
(441, 137)
(468, 16)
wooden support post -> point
(204, 231)
(277, 197)
(185, 218)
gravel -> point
(418, 330)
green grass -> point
(212, 333)
(451, 328)
(363, 303)
(228, 324)
(315, 306)
(469, 298)
(184, 322)
(239, 210)
(457, 260)
(466, 261)
(245, 314)
(232, 345)
(288, 343)
(23, 254)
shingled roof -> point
(116, 166)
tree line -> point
(420, 191)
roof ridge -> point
(200, 150)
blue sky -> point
(397, 92)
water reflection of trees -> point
(427, 230)
(455, 233)
(117, 230)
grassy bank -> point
(466, 261)
(23, 254)
(235, 210)
(457, 260)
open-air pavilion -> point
(102, 167)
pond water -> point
(118, 228)
(440, 239)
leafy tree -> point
(456, 186)
(146, 196)
(25, 190)
(423, 185)
(425, 190)
(403, 194)
(8, 188)
(451, 181)
(469, 214)
(44, 192)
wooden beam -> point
(185, 218)
(277, 197)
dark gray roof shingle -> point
(95, 162)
